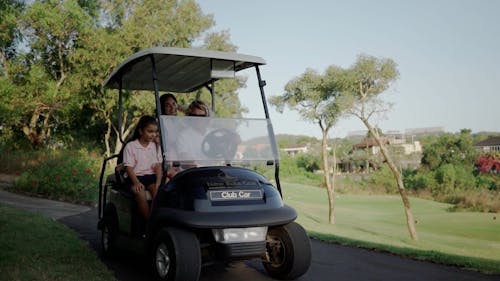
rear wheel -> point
(288, 250)
(176, 255)
(109, 231)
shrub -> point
(290, 171)
(473, 200)
(14, 161)
(62, 175)
(308, 162)
(451, 178)
(424, 181)
(445, 177)
(490, 182)
(383, 178)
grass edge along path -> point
(37, 248)
(465, 239)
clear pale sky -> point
(447, 52)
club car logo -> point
(221, 195)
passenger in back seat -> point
(142, 161)
(169, 106)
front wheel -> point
(288, 251)
(176, 255)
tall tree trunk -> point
(37, 130)
(334, 168)
(326, 172)
(4, 63)
(399, 179)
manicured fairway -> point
(380, 220)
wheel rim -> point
(276, 249)
(105, 238)
(162, 260)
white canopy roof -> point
(178, 69)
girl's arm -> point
(136, 184)
(158, 173)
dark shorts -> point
(146, 180)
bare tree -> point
(315, 103)
(360, 87)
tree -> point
(42, 102)
(226, 99)
(9, 33)
(449, 149)
(132, 26)
(307, 94)
(51, 82)
(450, 160)
(360, 87)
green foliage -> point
(52, 250)
(487, 170)
(53, 95)
(68, 176)
(472, 200)
(449, 149)
(9, 33)
(41, 104)
(383, 178)
(308, 162)
(291, 170)
(308, 96)
(419, 181)
(451, 172)
(490, 182)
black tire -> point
(109, 232)
(176, 255)
(289, 251)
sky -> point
(447, 53)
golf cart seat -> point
(120, 180)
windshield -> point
(208, 141)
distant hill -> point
(286, 140)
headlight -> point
(239, 235)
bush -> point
(451, 178)
(291, 171)
(423, 181)
(13, 161)
(383, 178)
(308, 162)
(473, 200)
(62, 175)
(490, 182)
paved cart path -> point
(330, 261)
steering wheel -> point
(220, 143)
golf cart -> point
(217, 207)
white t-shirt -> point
(141, 158)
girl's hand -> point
(137, 187)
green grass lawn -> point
(462, 238)
(36, 248)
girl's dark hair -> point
(163, 100)
(145, 121)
